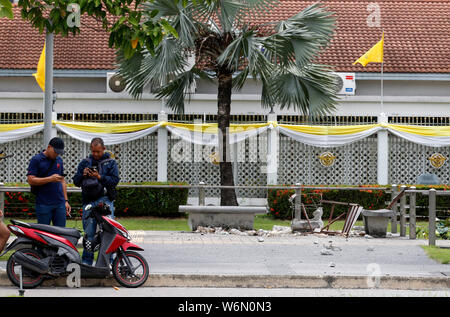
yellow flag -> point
(40, 74)
(374, 55)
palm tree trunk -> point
(227, 196)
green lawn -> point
(180, 224)
(439, 254)
(177, 224)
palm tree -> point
(229, 47)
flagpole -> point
(382, 62)
(382, 109)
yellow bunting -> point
(95, 127)
(12, 127)
(329, 130)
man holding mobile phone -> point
(98, 176)
(46, 176)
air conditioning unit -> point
(346, 83)
(115, 83)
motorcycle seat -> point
(71, 232)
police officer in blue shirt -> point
(46, 177)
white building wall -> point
(410, 95)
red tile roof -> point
(417, 38)
(417, 34)
(21, 46)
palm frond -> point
(144, 68)
(299, 39)
(246, 54)
(310, 90)
(164, 8)
(219, 33)
(319, 22)
(128, 68)
(175, 92)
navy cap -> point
(58, 145)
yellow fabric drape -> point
(329, 130)
(16, 126)
(96, 127)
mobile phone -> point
(63, 174)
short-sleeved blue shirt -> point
(50, 193)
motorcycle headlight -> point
(125, 234)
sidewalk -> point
(186, 259)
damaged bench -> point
(239, 217)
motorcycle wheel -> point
(122, 272)
(30, 279)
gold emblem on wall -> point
(327, 159)
(437, 160)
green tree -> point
(121, 18)
(228, 48)
(6, 9)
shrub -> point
(442, 230)
(157, 202)
(280, 208)
(130, 202)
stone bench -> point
(239, 217)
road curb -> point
(268, 281)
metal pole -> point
(21, 290)
(201, 194)
(412, 214)
(48, 94)
(402, 213)
(394, 209)
(382, 62)
(432, 217)
(298, 202)
(382, 106)
(2, 200)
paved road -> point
(174, 252)
(193, 253)
(194, 258)
(216, 292)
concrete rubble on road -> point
(276, 231)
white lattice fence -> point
(298, 163)
(137, 160)
(408, 160)
(192, 164)
(189, 163)
(251, 162)
(354, 164)
(14, 169)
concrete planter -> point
(376, 222)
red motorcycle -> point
(45, 251)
